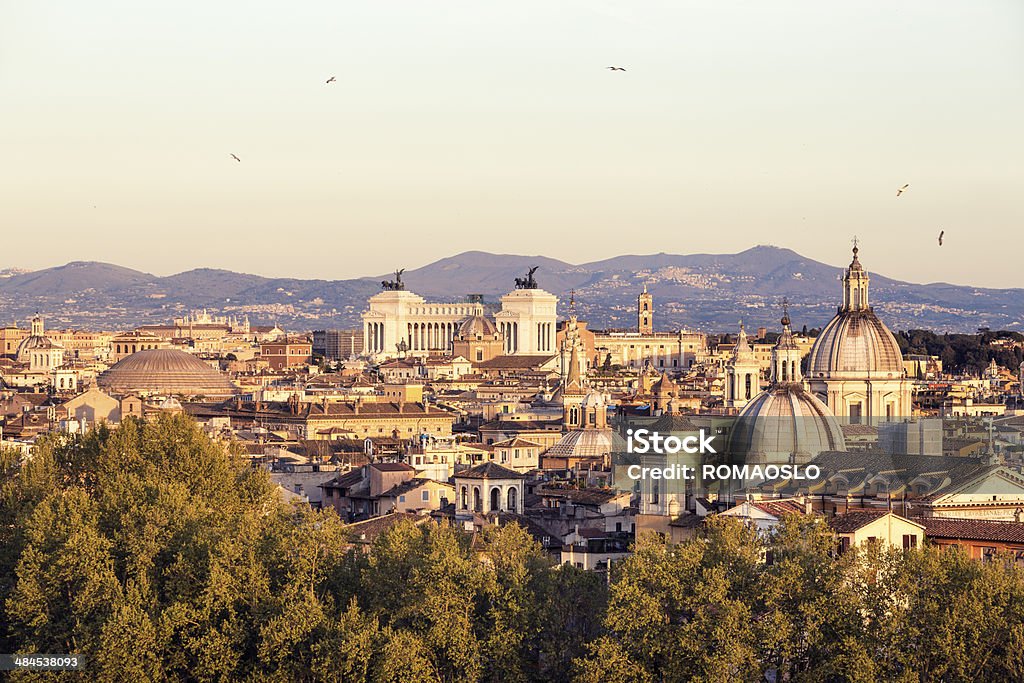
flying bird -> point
(616, 68)
(331, 79)
(235, 158)
(941, 233)
(900, 191)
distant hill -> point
(75, 277)
(703, 291)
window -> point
(425, 495)
(401, 499)
(909, 541)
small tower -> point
(572, 351)
(855, 285)
(645, 312)
(37, 325)
(743, 374)
(573, 392)
(786, 354)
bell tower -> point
(855, 284)
(742, 374)
(645, 312)
(786, 354)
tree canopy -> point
(161, 555)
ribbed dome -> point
(477, 327)
(165, 371)
(583, 443)
(36, 343)
(857, 342)
(785, 424)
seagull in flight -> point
(615, 68)
(941, 233)
(331, 79)
(235, 158)
(900, 191)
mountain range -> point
(711, 292)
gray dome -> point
(584, 443)
(477, 327)
(36, 343)
(165, 371)
(785, 424)
(858, 343)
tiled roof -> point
(489, 470)
(367, 530)
(778, 508)
(411, 485)
(687, 521)
(514, 362)
(851, 521)
(517, 442)
(579, 496)
(344, 481)
(522, 426)
(972, 529)
(859, 430)
(392, 467)
(673, 423)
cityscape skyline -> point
(733, 125)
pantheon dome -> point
(167, 372)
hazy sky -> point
(477, 124)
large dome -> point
(165, 371)
(855, 342)
(785, 424)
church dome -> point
(165, 371)
(36, 343)
(856, 341)
(477, 327)
(785, 424)
(587, 443)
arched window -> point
(477, 503)
(512, 500)
(749, 384)
(465, 498)
(495, 499)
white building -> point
(400, 322)
(399, 317)
(527, 321)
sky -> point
(465, 125)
